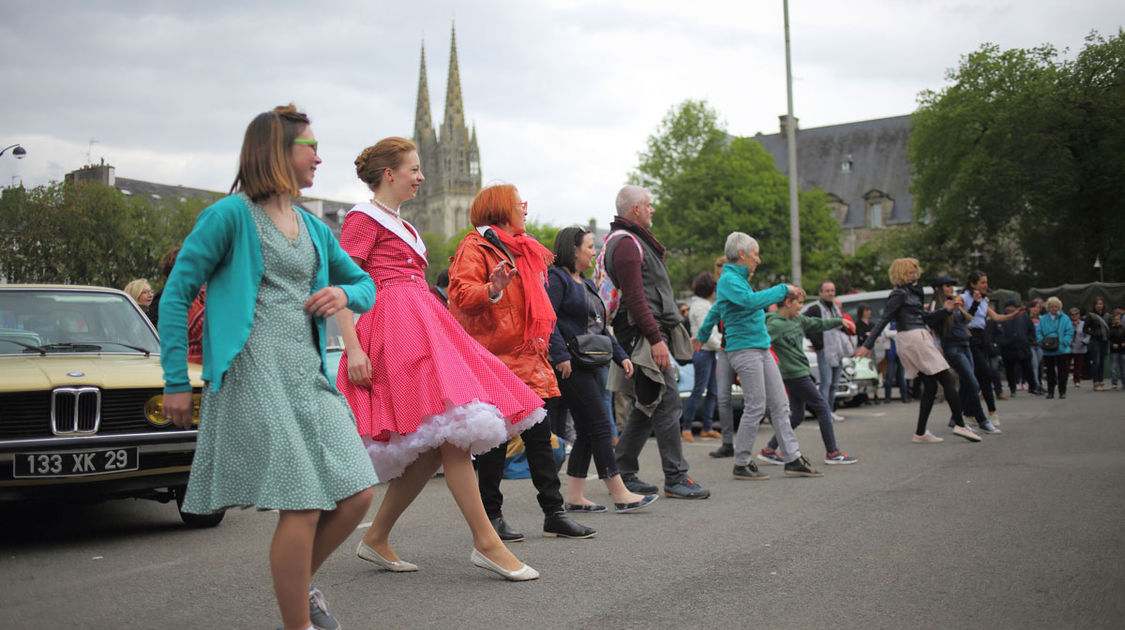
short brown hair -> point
(494, 205)
(900, 267)
(264, 167)
(384, 154)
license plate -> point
(76, 463)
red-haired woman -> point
(497, 292)
(424, 393)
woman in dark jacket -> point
(579, 310)
(916, 349)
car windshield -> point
(62, 320)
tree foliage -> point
(706, 184)
(1017, 165)
(87, 234)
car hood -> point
(34, 372)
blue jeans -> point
(602, 376)
(960, 358)
(703, 363)
(1098, 349)
(896, 375)
(829, 377)
(1117, 364)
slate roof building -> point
(863, 168)
(450, 161)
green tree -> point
(707, 184)
(87, 234)
(1016, 165)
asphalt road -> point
(1021, 531)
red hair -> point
(494, 205)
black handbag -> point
(1050, 344)
(591, 350)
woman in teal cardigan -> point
(273, 431)
(1055, 326)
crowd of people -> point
(514, 341)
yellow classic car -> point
(80, 401)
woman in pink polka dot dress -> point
(424, 393)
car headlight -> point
(154, 410)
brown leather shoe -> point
(686, 436)
(711, 434)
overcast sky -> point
(563, 93)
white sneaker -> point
(994, 418)
(837, 417)
(927, 438)
(966, 433)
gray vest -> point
(658, 288)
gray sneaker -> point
(685, 489)
(319, 614)
(988, 427)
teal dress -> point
(277, 434)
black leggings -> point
(582, 395)
(929, 393)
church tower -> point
(450, 162)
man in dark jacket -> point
(647, 324)
(1015, 349)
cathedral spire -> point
(423, 124)
(454, 111)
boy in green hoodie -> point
(787, 329)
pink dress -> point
(431, 383)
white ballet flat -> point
(372, 556)
(522, 574)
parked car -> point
(687, 379)
(81, 401)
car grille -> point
(28, 414)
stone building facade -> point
(450, 161)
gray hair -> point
(628, 197)
(739, 241)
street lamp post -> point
(17, 151)
(791, 145)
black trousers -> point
(1056, 372)
(982, 369)
(582, 395)
(541, 462)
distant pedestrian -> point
(831, 345)
(702, 400)
(1076, 362)
(916, 347)
(954, 335)
(167, 261)
(1054, 335)
(1117, 350)
(141, 293)
(1015, 348)
(1097, 325)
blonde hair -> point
(136, 288)
(900, 267)
(1054, 300)
(377, 158)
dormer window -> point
(846, 164)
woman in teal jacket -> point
(1055, 326)
(273, 431)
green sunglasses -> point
(312, 143)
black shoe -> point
(1062, 396)
(559, 524)
(1036, 392)
(724, 450)
(636, 486)
(506, 533)
(1050, 396)
(749, 472)
(802, 468)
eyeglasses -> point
(522, 206)
(311, 143)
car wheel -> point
(200, 521)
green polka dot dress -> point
(277, 434)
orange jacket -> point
(498, 326)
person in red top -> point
(423, 392)
(497, 292)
